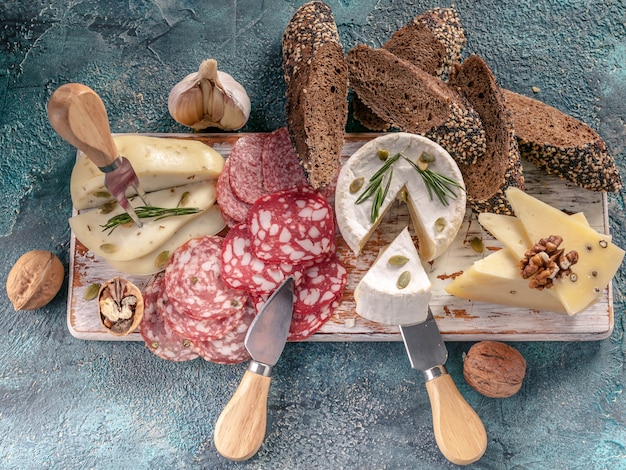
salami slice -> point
(305, 326)
(233, 209)
(230, 349)
(194, 284)
(241, 269)
(291, 226)
(158, 336)
(319, 286)
(280, 165)
(245, 168)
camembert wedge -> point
(396, 289)
(436, 223)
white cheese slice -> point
(436, 224)
(599, 259)
(378, 297)
(210, 222)
(159, 162)
(129, 241)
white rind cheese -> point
(209, 222)
(378, 297)
(436, 224)
(159, 162)
(128, 242)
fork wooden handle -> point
(79, 116)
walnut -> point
(120, 306)
(34, 280)
(545, 262)
(494, 369)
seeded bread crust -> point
(316, 74)
(501, 167)
(562, 145)
(414, 101)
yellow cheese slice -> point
(209, 222)
(159, 162)
(599, 259)
(129, 241)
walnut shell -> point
(120, 306)
(34, 280)
(494, 369)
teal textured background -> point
(67, 403)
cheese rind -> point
(378, 297)
(129, 242)
(436, 224)
(159, 162)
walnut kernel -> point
(494, 369)
(120, 306)
(34, 280)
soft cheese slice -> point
(160, 162)
(129, 242)
(209, 222)
(378, 297)
(497, 279)
(599, 259)
(436, 224)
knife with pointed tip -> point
(459, 431)
(240, 428)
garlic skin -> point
(209, 98)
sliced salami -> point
(305, 326)
(319, 286)
(291, 226)
(194, 284)
(280, 165)
(245, 168)
(158, 336)
(234, 210)
(230, 349)
(241, 269)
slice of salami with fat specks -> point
(158, 336)
(194, 284)
(245, 169)
(241, 269)
(291, 226)
(305, 326)
(280, 164)
(234, 210)
(319, 286)
(230, 349)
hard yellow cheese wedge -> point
(129, 242)
(159, 162)
(599, 259)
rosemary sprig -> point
(442, 185)
(145, 212)
(375, 187)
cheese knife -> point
(459, 431)
(240, 428)
(79, 116)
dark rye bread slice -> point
(562, 145)
(500, 167)
(415, 101)
(316, 74)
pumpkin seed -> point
(477, 244)
(103, 194)
(357, 184)
(403, 280)
(184, 199)
(440, 224)
(91, 292)
(108, 248)
(161, 259)
(398, 260)
(382, 154)
(108, 207)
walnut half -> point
(120, 306)
(546, 261)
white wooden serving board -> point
(458, 319)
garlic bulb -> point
(209, 98)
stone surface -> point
(67, 403)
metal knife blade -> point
(459, 431)
(240, 428)
(269, 330)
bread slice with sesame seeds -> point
(562, 145)
(414, 101)
(316, 74)
(500, 167)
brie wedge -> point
(159, 162)
(436, 224)
(387, 294)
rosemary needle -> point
(144, 212)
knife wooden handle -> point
(78, 115)
(240, 429)
(459, 431)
